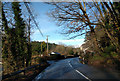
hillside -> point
(40, 48)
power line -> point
(32, 17)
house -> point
(54, 53)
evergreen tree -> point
(15, 40)
(19, 31)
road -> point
(72, 69)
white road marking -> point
(83, 75)
(69, 64)
(79, 72)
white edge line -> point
(80, 73)
(83, 75)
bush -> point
(97, 57)
(109, 49)
(42, 60)
(55, 57)
(71, 52)
(115, 55)
(39, 60)
(106, 55)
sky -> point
(48, 27)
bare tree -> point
(75, 18)
(78, 18)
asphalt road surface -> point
(72, 69)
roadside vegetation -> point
(99, 22)
(39, 49)
(16, 44)
(18, 51)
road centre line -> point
(83, 75)
(79, 72)
(70, 64)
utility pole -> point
(41, 48)
(47, 44)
